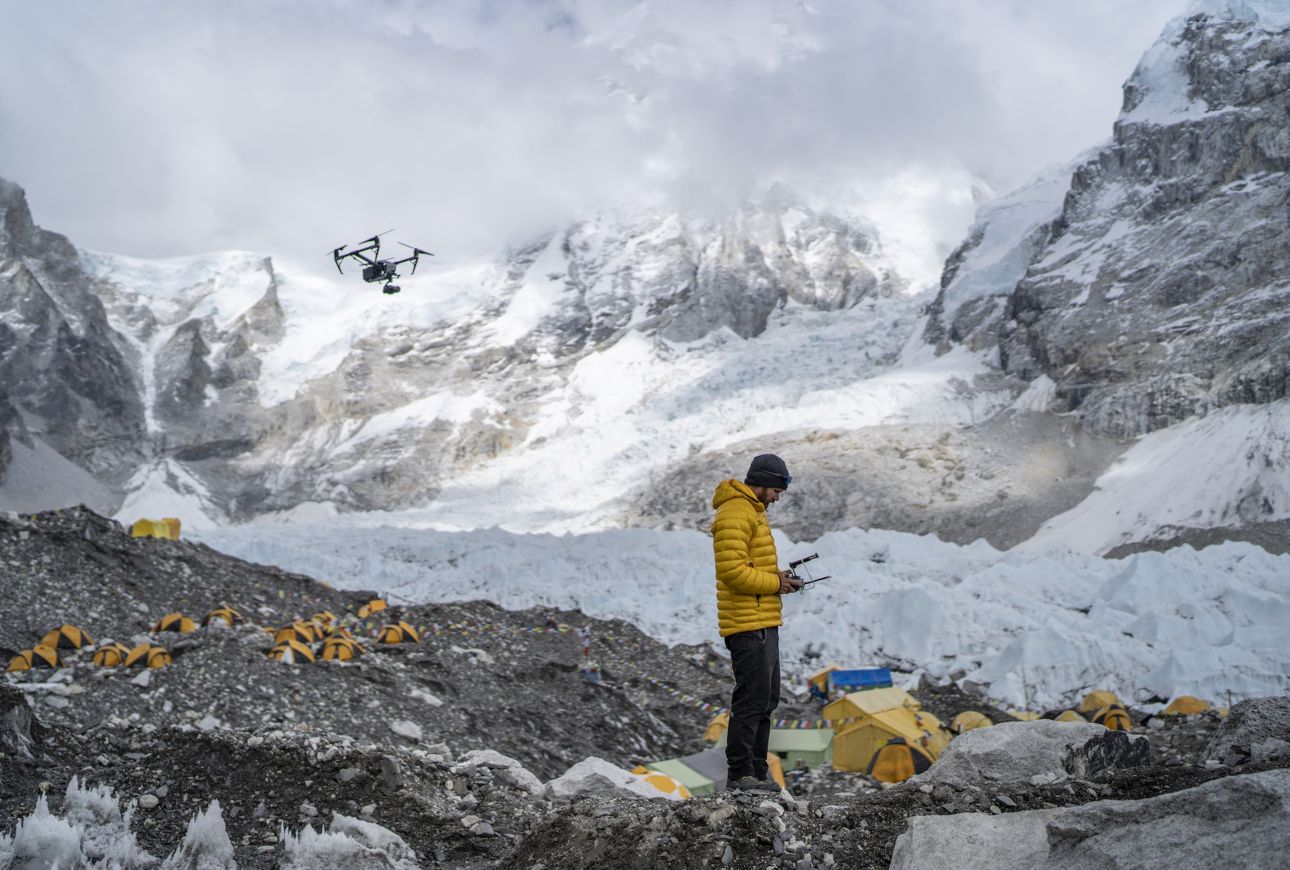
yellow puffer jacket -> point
(747, 566)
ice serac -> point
(66, 380)
(1158, 289)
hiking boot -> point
(751, 783)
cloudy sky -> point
(165, 128)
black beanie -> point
(768, 470)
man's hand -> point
(787, 583)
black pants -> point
(755, 656)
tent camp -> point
(67, 637)
(717, 727)
(324, 617)
(174, 622)
(897, 760)
(340, 649)
(705, 772)
(110, 655)
(376, 605)
(1114, 717)
(291, 652)
(810, 746)
(866, 721)
(167, 528)
(1096, 700)
(399, 632)
(147, 655)
(1185, 705)
(225, 614)
(969, 720)
(39, 656)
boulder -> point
(973, 840)
(1255, 730)
(1037, 752)
(16, 723)
(504, 767)
(1236, 821)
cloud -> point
(157, 129)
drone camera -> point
(391, 289)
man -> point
(749, 584)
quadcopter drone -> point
(377, 269)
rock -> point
(470, 821)
(308, 810)
(406, 729)
(254, 741)
(720, 814)
(208, 723)
(16, 737)
(482, 829)
(1254, 730)
(727, 856)
(148, 801)
(1005, 800)
(1014, 840)
(1236, 821)
(391, 777)
(347, 773)
(507, 769)
(1042, 750)
(144, 680)
(1110, 750)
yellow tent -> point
(1114, 717)
(662, 782)
(863, 722)
(225, 614)
(291, 652)
(147, 655)
(39, 656)
(339, 631)
(165, 528)
(304, 632)
(66, 637)
(325, 618)
(969, 720)
(775, 768)
(1071, 716)
(717, 726)
(1096, 700)
(399, 632)
(897, 760)
(376, 605)
(110, 655)
(341, 649)
(174, 622)
(1024, 715)
(1185, 705)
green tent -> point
(696, 782)
(811, 746)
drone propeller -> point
(416, 250)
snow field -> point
(1032, 630)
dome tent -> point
(341, 649)
(399, 632)
(147, 655)
(39, 656)
(176, 622)
(1185, 705)
(969, 720)
(897, 760)
(1096, 700)
(110, 655)
(291, 652)
(224, 614)
(376, 605)
(67, 636)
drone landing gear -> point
(391, 289)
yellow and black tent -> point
(67, 637)
(39, 656)
(224, 614)
(399, 632)
(969, 720)
(147, 655)
(341, 649)
(897, 760)
(174, 622)
(1114, 717)
(1069, 716)
(1185, 705)
(291, 652)
(325, 617)
(301, 632)
(376, 605)
(719, 725)
(110, 655)
(339, 631)
(1096, 700)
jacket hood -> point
(732, 489)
